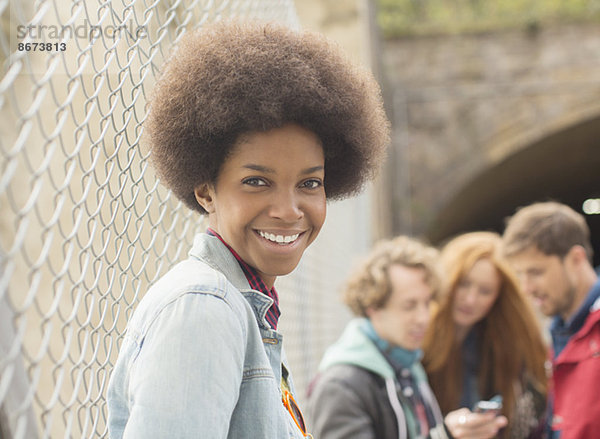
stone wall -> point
(464, 105)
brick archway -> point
(564, 166)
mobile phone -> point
(492, 405)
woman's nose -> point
(286, 205)
(470, 296)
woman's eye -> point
(312, 184)
(464, 283)
(485, 291)
(254, 181)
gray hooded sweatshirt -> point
(357, 394)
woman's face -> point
(268, 202)
(475, 294)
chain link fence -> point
(85, 226)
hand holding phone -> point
(492, 405)
(465, 423)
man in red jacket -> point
(549, 247)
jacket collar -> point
(355, 348)
(398, 357)
(575, 323)
(213, 252)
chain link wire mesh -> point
(85, 227)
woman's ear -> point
(205, 197)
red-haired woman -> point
(484, 339)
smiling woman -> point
(255, 126)
(268, 202)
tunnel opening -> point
(564, 167)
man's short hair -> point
(370, 286)
(553, 228)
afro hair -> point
(231, 78)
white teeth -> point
(279, 239)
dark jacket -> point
(358, 395)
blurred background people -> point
(371, 382)
(549, 245)
(484, 339)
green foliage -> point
(434, 17)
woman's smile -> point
(281, 239)
(269, 201)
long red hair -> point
(511, 342)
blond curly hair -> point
(369, 286)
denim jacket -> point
(199, 360)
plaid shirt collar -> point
(256, 283)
